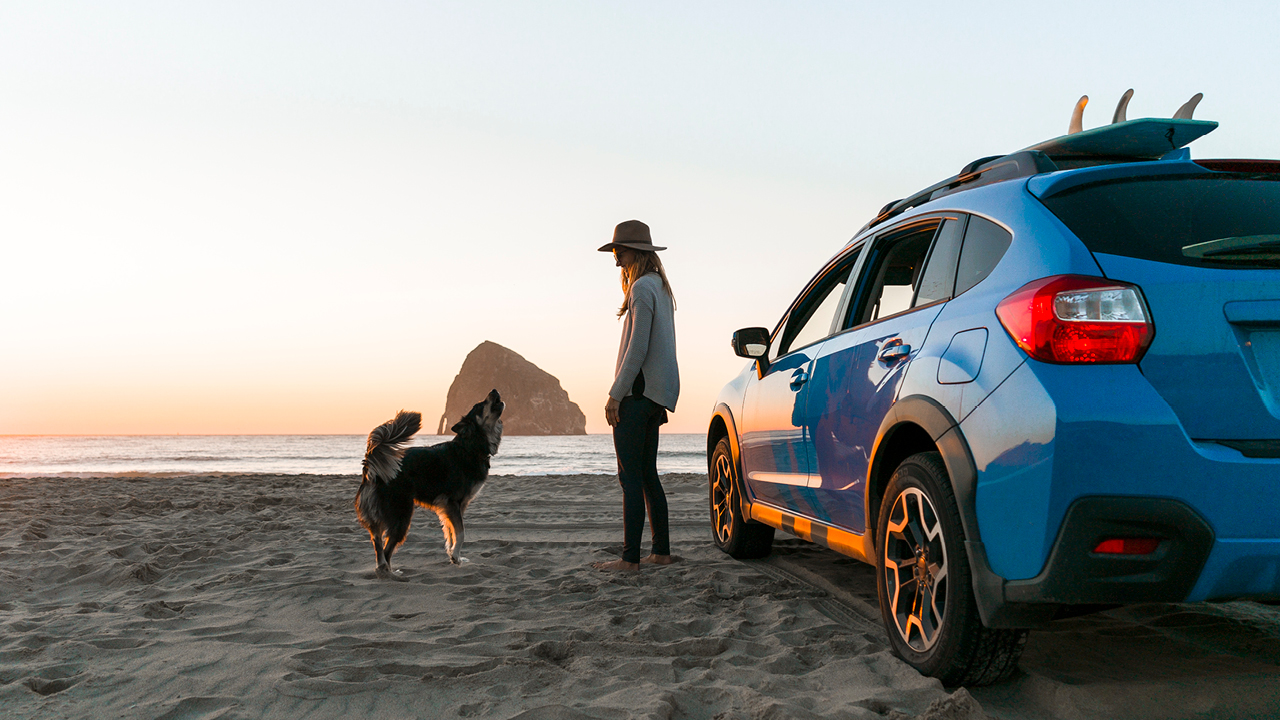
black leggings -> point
(635, 439)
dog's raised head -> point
(483, 423)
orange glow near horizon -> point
(252, 409)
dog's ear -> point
(458, 427)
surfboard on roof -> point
(1122, 141)
(1143, 138)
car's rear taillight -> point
(1078, 319)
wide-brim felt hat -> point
(633, 235)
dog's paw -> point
(386, 573)
(458, 560)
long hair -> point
(645, 262)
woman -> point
(645, 386)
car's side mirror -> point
(752, 342)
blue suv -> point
(1046, 385)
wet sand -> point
(254, 597)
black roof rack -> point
(983, 171)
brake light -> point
(1078, 319)
(1127, 546)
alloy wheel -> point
(915, 566)
(722, 497)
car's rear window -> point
(1155, 218)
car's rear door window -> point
(892, 273)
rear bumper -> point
(1075, 575)
(1189, 565)
(1062, 461)
(1240, 569)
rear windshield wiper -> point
(1254, 250)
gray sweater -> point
(648, 344)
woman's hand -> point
(611, 411)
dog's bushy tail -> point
(385, 450)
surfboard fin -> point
(1188, 108)
(1077, 116)
(1122, 108)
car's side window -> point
(938, 280)
(892, 273)
(984, 244)
(810, 320)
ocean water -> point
(87, 456)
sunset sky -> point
(271, 217)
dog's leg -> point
(395, 536)
(451, 517)
(446, 528)
(376, 537)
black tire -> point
(924, 584)
(733, 533)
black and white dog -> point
(444, 478)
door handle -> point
(894, 352)
(800, 378)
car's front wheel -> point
(926, 597)
(733, 533)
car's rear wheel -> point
(926, 596)
(733, 533)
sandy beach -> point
(254, 597)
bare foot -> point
(660, 559)
(617, 566)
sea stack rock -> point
(536, 404)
